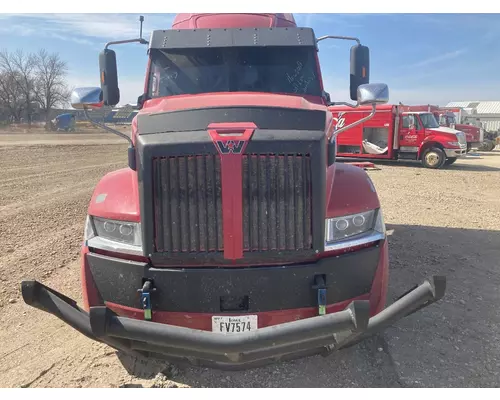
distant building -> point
(488, 112)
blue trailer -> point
(64, 122)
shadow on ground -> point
(453, 343)
(493, 153)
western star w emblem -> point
(231, 139)
(230, 146)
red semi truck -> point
(233, 238)
(395, 134)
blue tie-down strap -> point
(146, 305)
(321, 301)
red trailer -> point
(395, 134)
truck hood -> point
(451, 134)
(467, 128)
(240, 99)
(444, 129)
(472, 133)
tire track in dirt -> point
(42, 221)
(49, 176)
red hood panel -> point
(240, 99)
(116, 196)
(472, 133)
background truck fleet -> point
(398, 132)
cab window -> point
(288, 70)
(409, 120)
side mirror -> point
(360, 68)
(372, 93)
(140, 101)
(87, 97)
(327, 98)
(109, 77)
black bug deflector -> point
(317, 335)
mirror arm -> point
(338, 37)
(344, 128)
(106, 128)
(141, 41)
(342, 103)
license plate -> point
(239, 324)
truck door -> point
(408, 133)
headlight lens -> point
(341, 228)
(456, 144)
(116, 231)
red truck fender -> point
(349, 191)
(116, 197)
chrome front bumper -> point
(455, 153)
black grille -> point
(276, 203)
(188, 204)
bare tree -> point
(21, 67)
(32, 81)
(11, 101)
(50, 88)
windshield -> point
(289, 70)
(428, 120)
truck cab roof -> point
(200, 21)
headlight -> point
(89, 229)
(365, 224)
(456, 144)
(128, 233)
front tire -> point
(450, 161)
(433, 158)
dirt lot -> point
(440, 222)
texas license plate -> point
(239, 324)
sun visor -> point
(213, 38)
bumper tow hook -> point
(320, 286)
(146, 291)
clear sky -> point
(424, 58)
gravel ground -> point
(440, 222)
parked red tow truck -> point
(395, 133)
(233, 239)
(454, 118)
(467, 120)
